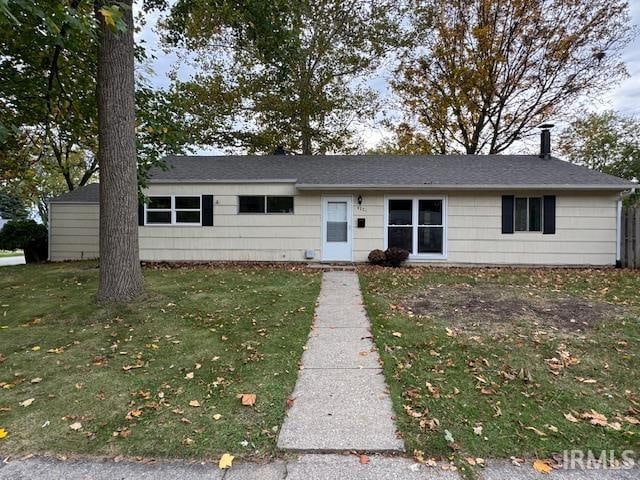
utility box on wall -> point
(361, 223)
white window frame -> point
(173, 211)
(515, 213)
(414, 225)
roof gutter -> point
(218, 181)
(395, 187)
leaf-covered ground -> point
(157, 378)
(496, 358)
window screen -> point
(251, 204)
(279, 204)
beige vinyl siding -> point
(585, 230)
(74, 231)
(236, 236)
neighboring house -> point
(457, 209)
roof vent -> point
(545, 140)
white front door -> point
(336, 229)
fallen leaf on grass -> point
(36, 380)
(364, 459)
(189, 376)
(27, 402)
(3, 433)
(217, 416)
(541, 466)
(126, 368)
(194, 403)
(56, 350)
(595, 418)
(614, 426)
(571, 418)
(536, 431)
(35, 348)
(435, 392)
(290, 401)
(247, 399)
(448, 436)
(632, 420)
(75, 426)
(396, 334)
(123, 433)
(477, 430)
(226, 461)
(133, 414)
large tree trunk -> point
(120, 272)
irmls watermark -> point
(599, 459)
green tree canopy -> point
(12, 208)
(290, 73)
(608, 142)
(48, 108)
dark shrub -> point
(28, 236)
(395, 256)
(377, 257)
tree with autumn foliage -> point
(484, 73)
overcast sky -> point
(625, 98)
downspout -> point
(619, 232)
(48, 231)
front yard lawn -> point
(159, 377)
(10, 253)
(509, 362)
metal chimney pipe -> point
(545, 140)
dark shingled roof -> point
(87, 194)
(381, 171)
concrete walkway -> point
(304, 467)
(340, 399)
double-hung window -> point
(265, 204)
(528, 214)
(417, 225)
(173, 210)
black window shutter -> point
(140, 213)
(549, 214)
(507, 213)
(207, 210)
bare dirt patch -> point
(469, 305)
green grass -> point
(8, 253)
(495, 376)
(239, 330)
